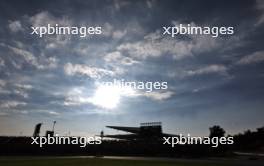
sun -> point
(109, 97)
(106, 97)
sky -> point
(211, 81)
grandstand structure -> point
(146, 131)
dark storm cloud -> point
(54, 76)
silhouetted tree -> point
(216, 131)
(248, 133)
(260, 130)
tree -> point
(216, 131)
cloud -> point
(118, 58)
(16, 89)
(76, 97)
(149, 3)
(76, 100)
(118, 4)
(159, 96)
(156, 45)
(24, 86)
(22, 93)
(41, 63)
(107, 29)
(2, 62)
(92, 72)
(12, 104)
(256, 57)
(53, 113)
(260, 7)
(110, 31)
(3, 90)
(2, 82)
(215, 68)
(3, 114)
(28, 56)
(47, 63)
(44, 18)
(22, 90)
(15, 26)
(119, 34)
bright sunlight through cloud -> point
(109, 96)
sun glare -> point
(109, 96)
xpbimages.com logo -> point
(60, 140)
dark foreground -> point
(91, 161)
